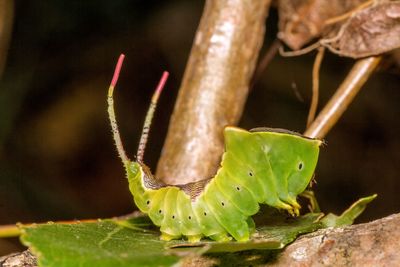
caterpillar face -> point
(259, 167)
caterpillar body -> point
(260, 166)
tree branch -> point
(342, 98)
(214, 88)
(6, 21)
(369, 244)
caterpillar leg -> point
(221, 237)
(309, 194)
(167, 237)
(295, 206)
(194, 238)
(293, 210)
(251, 224)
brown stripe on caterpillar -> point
(193, 190)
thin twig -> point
(300, 52)
(266, 59)
(6, 24)
(13, 230)
(349, 13)
(10, 230)
(344, 95)
(315, 85)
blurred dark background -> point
(57, 157)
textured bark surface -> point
(214, 88)
(23, 259)
(370, 244)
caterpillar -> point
(260, 166)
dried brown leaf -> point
(371, 31)
(300, 21)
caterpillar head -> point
(137, 170)
(133, 168)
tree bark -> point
(214, 88)
(23, 259)
(6, 21)
(370, 244)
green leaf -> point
(103, 243)
(279, 231)
(135, 241)
(349, 215)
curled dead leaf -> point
(300, 21)
(371, 31)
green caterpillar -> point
(260, 166)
